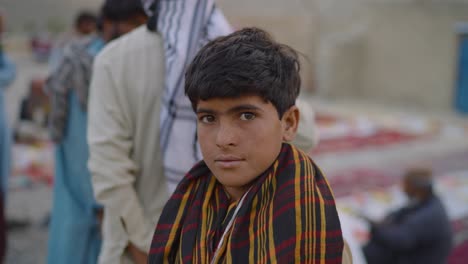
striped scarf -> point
(287, 216)
(185, 25)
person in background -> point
(254, 198)
(31, 126)
(130, 78)
(7, 75)
(34, 101)
(419, 233)
(85, 23)
(74, 232)
(85, 26)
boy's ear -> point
(290, 122)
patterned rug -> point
(380, 138)
(346, 134)
(362, 179)
(32, 163)
(459, 254)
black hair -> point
(420, 178)
(84, 17)
(246, 62)
(152, 23)
(120, 10)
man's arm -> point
(110, 142)
(401, 236)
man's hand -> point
(137, 255)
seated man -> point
(417, 233)
(254, 198)
(31, 126)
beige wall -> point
(383, 50)
(400, 52)
(289, 21)
(411, 55)
(24, 15)
(293, 22)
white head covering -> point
(185, 25)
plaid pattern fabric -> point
(72, 73)
(288, 216)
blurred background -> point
(387, 81)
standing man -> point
(85, 25)
(135, 80)
(74, 234)
(7, 75)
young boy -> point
(254, 198)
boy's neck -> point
(236, 193)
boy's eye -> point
(207, 119)
(247, 116)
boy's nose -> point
(226, 136)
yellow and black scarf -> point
(287, 216)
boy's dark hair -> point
(246, 62)
(120, 10)
(85, 17)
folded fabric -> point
(287, 216)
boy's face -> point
(241, 137)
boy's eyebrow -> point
(235, 109)
(242, 107)
(205, 111)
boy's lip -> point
(228, 161)
(226, 157)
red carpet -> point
(340, 134)
(383, 137)
(361, 179)
(459, 254)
